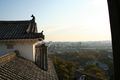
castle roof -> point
(25, 29)
(14, 67)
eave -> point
(21, 40)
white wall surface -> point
(25, 49)
(3, 48)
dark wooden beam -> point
(114, 14)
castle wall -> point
(25, 48)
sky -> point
(62, 20)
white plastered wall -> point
(3, 48)
(25, 50)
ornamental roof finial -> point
(33, 18)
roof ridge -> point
(16, 21)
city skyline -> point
(62, 20)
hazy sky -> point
(62, 20)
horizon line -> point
(82, 41)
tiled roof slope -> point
(22, 69)
(19, 30)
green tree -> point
(64, 69)
(95, 71)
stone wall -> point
(7, 57)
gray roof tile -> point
(19, 30)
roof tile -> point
(19, 30)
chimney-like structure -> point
(41, 56)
